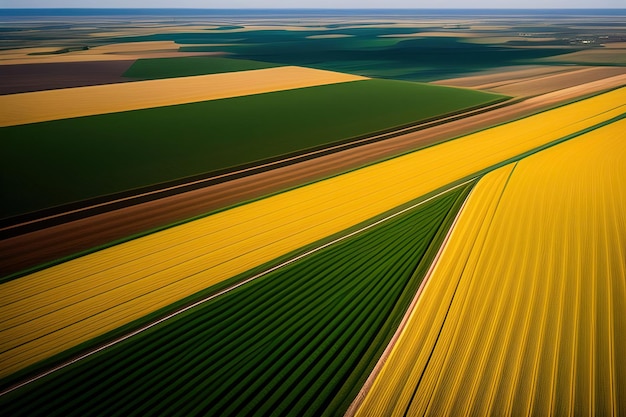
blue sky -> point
(210, 4)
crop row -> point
(113, 287)
(298, 341)
(528, 299)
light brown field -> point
(432, 35)
(86, 101)
(116, 51)
(614, 45)
(490, 27)
(534, 81)
(591, 56)
(552, 82)
(487, 40)
(499, 76)
(330, 36)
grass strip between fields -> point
(347, 315)
(541, 335)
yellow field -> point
(524, 312)
(42, 106)
(54, 309)
(111, 52)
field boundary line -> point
(358, 400)
(177, 312)
(75, 211)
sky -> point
(361, 4)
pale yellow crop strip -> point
(245, 222)
(121, 251)
(41, 106)
(206, 244)
(403, 369)
(145, 274)
(532, 328)
(452, 331)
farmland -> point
(120, 284)
(45, 106)
(547, 345)
(312, 212)
(333, 343)
(134, 149)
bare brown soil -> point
(23, 78)
(552, 82)
(46, 245)
(111, 52)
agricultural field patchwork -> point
(126, 150)
(550, 323)
(143, 275)
(71, 103)
(314, 349)
(312, 212)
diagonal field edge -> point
(224, 291)
(291, 260)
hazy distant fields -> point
(245, 213)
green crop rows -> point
(299, 341)
(155, 68)
(69, 160)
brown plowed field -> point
(46, 245)
(553, 82)
(23, 78)
(503, 75)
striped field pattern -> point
(525, 311)
(65, 103)
(47, 312)
(297, 341)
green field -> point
(367, 51)
(155, 68)
(59, 162)
(299, 341)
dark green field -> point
(299, 341)
(365, 51)
(155, 68)
(54, 163)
